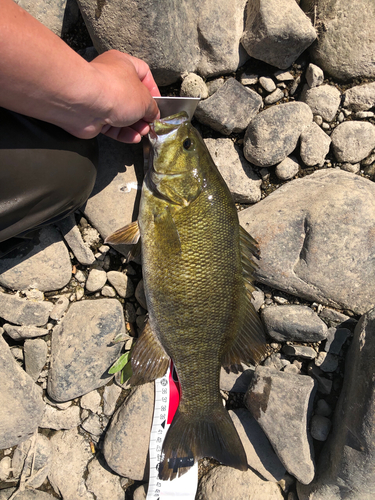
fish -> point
(198, 268)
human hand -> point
(126, 98)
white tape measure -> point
(167, 396)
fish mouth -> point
(166, 128)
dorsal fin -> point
(127, 235)
(148, 359)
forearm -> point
(40, 75)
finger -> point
(141, 127)
(123, 134)
(150, 83)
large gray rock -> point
(127, 439)
(282, 404)
(276, 31)
(300, 323)
(102, 482)
(346, 465)
(44, 265)
(223, 482)
(273, 134)
(315, 239)
(58, 15)
(114, 200)
(315, 145)
(35, 353)
(82, 349)
(173, 37)
(21, 404)
(34, 457)
(353, 141)
(66, 476)
(23, 311)
(346, 44)
(243, 182)
(230, 109)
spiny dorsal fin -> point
(148, 359)
(127, 235)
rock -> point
(346, 46)
(91, 401)
(108, 291)
(277, 361)
(44, 265)
(140, 295)
(102, 482)
(314, 75)
(353, 141)
(73, 445)
(59, 308)
(354, 168)
(274, 97)
(130, 430)
(345, 468)
(93, 425)
(141, 492)
(360, 97)
(59, 17)
(223, 482)
(144, 30)
(214, 85)
(34, 457)
(5, 468)
(335, 318)
(294, 323)
(22, 311)
(230, 109)
(322, 408)
(282, 404)
(287, 169)
(327, 362)
(236, 382)
(276, 32)
(259, 452)
(267, 83)
(273, 134)
(249, 79)
(283, 76)
(21, 404)
(194, 86)
(81, 348)
(300, 351)
(294, 237)
(120, 174)
(320, 427)
(96, 280)
(238, 174)
(73, 237)
(110, 397)
(123, 285)
(335, 339)
(315, 145)
(61, 419)
(35, 352)
(24, 332)
(323, 100)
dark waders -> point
(45, 174)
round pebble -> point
(287, 169)
(320, 427)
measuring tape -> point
(167, 397)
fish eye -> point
(187, 143)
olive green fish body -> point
(198, 272)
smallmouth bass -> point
(198, 272)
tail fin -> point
(190, 438)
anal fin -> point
(148, 359)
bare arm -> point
(42, 77)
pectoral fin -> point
(148, 359)
(127, 235)
(166, 231)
